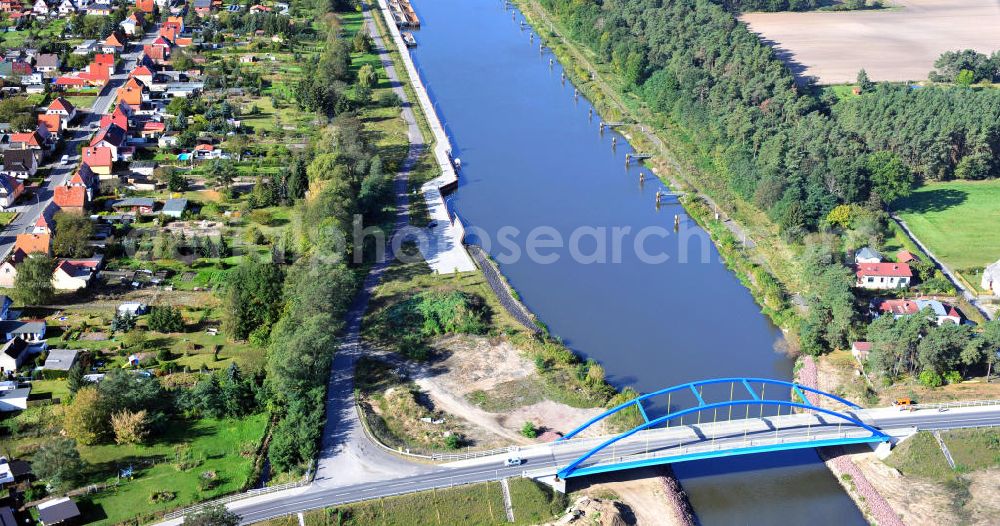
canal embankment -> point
(837, 459)
(444, 251)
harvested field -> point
(898, 44)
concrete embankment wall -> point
(445, 253)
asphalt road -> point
(550, 457)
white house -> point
(883, 276)
(991, 278)
(13, 398)
(40, 8)
(67, 7)
(13, 354)
(941, 313)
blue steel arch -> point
(755, 400)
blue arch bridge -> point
(718, 418)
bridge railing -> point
(177, 514)
(613, 457)
(961, 403)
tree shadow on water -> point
(932, 201)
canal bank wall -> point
(445, 251)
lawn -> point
(223, 447)
(973, 448)
(957, 220)
(479, 504)
(921, 456)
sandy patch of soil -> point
(984, 508)
(915, 501)
(484, 364)
(647, 496)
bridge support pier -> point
(882, 450)
(554, 482)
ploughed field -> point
(896, 44)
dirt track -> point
(898, 44)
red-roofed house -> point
(75, 274)
(115, 43)
(71, 198)
(117, 117)
(880, 276)
(52, 122)
(133, 92)
(159, 55)
(113, 137)
(63, 107)
(170, 31)
(145, 6)
(905, 256)
(75, 80)
(144, 74)
(31, 140)
(99, 160)
(152, 129)
(30, 242)
(105, 59)
(940, 312)
(861, 350)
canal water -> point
(653, 305)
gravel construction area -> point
(897, 44)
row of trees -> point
(795, 154)
(949, 67)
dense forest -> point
(791, 150)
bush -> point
(953, 377)
(529, 430)
(931, 379)
(389, 100)
(408, 323)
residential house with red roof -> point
(143, 73)
(133, 93)
(75, 274)
(938, 311)
(118, 117)
(152, 129)
(170, 31)
(99, 160)
(11, 6)
(32, 242)
(145, 6)
(71, 198)
(113, 137)
(883, 276)
(115, 42)
(158, 55)
(53, 123)
(61, 106)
